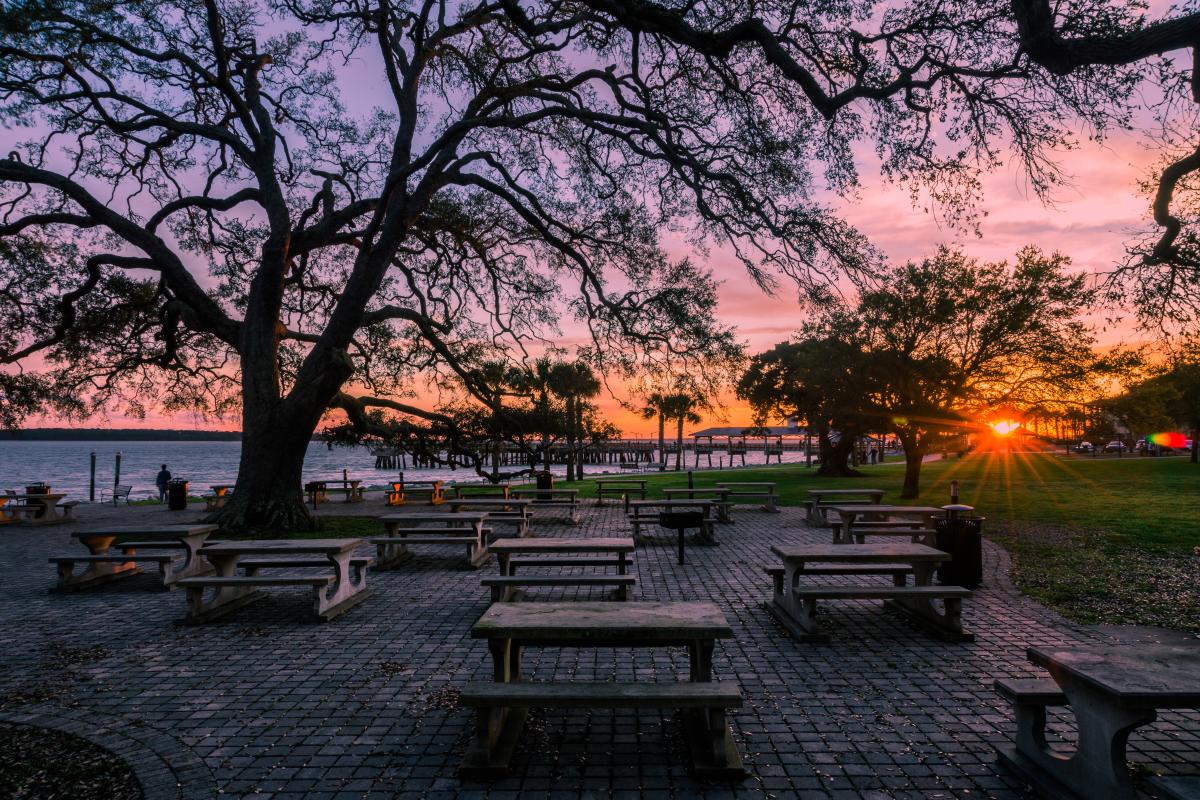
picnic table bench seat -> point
(251, 565)
(714, 753)
(916, 533)
(898, 572)
(506, 587)
(515, 563)
(1030, 691)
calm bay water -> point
(64, 465)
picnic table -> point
(543, 498)
(645, 512)
(512, 511)
(464, 529)
(401, 489)
(103, 565)
(216, 500)
(764, 491)
(333, 594)
(813, 508)
(482, 490)
(562, 552)
(880, 519)
(503, 705)
(620, 487)
(42, 509)
(719, 496)
(351, 487)
(1112, 691)
(795, 605)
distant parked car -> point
(1115, 446)
(1084, 447)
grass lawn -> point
(1100, 540)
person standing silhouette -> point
(164, 477)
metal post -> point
(117, 470)
(690, 484)
(954, 493)
(92, 479)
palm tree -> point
(681, 407)
(656, 406)
(575, 383)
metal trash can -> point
(177, 489)
(962, 538)
(545, 480)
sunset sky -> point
(1090, 221)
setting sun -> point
(1005, 427)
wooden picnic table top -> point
(586, 622)
(839, 492)
(281, 547)
(1138, 676)
(52, 497)
(767, 484)
(489, 501)
(562, 492)
(600, 481)
(611, 544)
(465, 486)
(164, 532)
(435, 516)
(672, 502)
(686, 490)
(858, 508)
(872, 552)
(418, 484)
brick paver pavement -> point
(268, 704)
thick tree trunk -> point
(834, 456)
(914, 455)
(662, 438)
(269, 495)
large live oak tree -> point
(289, 206)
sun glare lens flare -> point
(1005, 426)
(1168, 439)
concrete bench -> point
(705, 727)
(69, 582)
(506, 588)
(1030, 691)
(519, 519)
(514, 563)
(434, 495)
(949, 627)
(898, 572)
(916, 533)
(212, 502)
(199, 611)
(252, 565)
